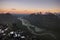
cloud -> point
(13, 9)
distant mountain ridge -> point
(49, 21)
(7, 18)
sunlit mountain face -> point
(29, 6)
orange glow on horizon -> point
(28, 11)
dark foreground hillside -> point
(11, 28)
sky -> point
(29, 6)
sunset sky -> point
(29, 6)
